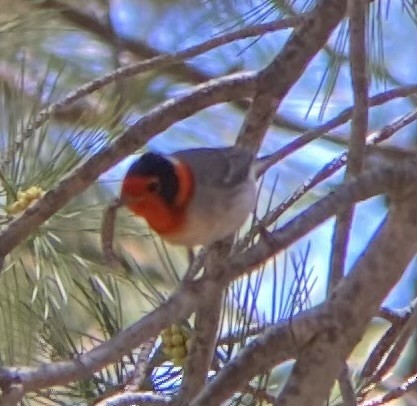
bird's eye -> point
(153, 186)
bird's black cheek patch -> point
(169, 189)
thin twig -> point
(336, 164)
(136, 398)
(357, 143)
(390, 347)
(319, 131)
(207, 317)
(107, 233)
(346, 388)
(157, 62)
(396, 393)
(136, 378)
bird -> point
(192, 197)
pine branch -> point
(357, 144)
(355, 158)
(356, 304)
(276, 79)
(372, 183)
(340, 119)
(393, 394)
(206, 324)
(185, 300)
(231, 87)
(181, 71)
(157, 62)
(136, 398)
(389, 348)
(322, 338)
(331, 168)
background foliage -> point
(58, 297)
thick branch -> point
(357, 142)
(207, 317)
(282, 73)
(329, 332)
(142, 50)
(185, 299)
(352, 305)
(159, 61)
(157, 120)
(369, 184)
(203, 345)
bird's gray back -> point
(224, 167)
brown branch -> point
(157, 120)
(207, 317)
(357, 142)
(331, 319)
(203, 344)
(390, 347)
(157, 62)
(190, 293)
(332, 167)
(396, 393)
(353, 304)
(358, 67)
(107, 233)
(346, 388)
(136, 398)
(355, 160)
(144, 51)
(340, 119)
(279, 76)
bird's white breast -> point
(215, 214)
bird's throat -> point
(160, 217)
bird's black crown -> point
(162, 169)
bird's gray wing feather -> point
(225, 167)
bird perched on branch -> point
(195, 196)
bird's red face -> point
(158, 190)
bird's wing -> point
(224, 167)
